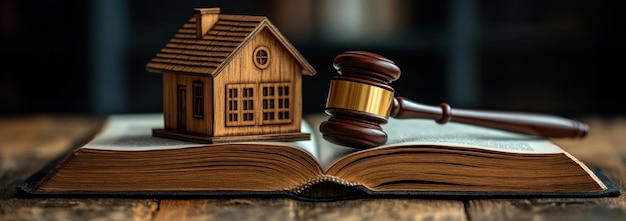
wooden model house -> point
(230, 78)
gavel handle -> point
(527, 123)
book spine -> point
(319, 179)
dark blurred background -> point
(556, 57)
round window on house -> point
(261, 57)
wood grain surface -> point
(27, 143)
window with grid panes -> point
(240, 104)
(276, 103)
(261, 57)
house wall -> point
(282, 68)
(171, 81)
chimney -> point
(205, 19)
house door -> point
(181, 108)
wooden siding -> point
(283, 68)
(170, 110)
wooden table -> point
(27, 143)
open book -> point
(422, 158)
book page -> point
(133, 132)
(328, 152)
(428, 132)
(422, 132)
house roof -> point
(210, 54)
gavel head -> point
(359, 99)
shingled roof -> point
(185, 52)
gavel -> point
(360, 99)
